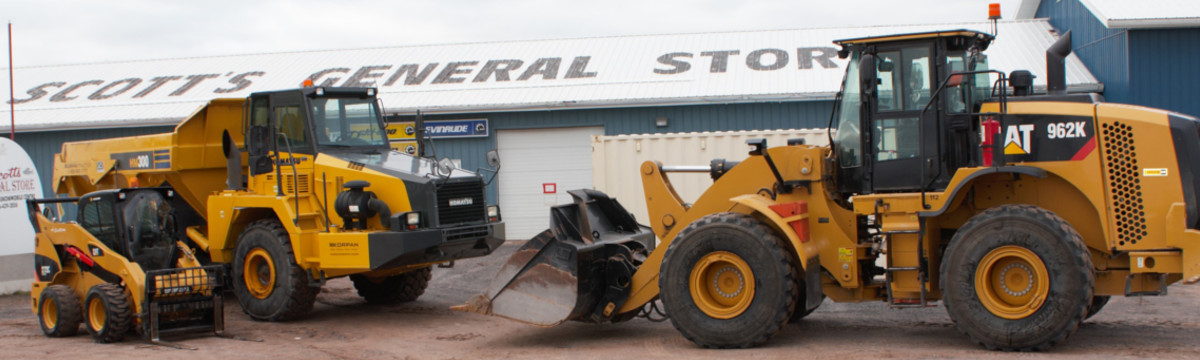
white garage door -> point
(535, 157)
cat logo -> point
(1017, 139)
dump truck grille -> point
(291, 182)
(1125, 188)
(461, 202)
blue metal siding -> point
(636, 120)
(1104, 51)
(42, 146)
(1163, 70)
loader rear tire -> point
(393, 289)
(268, 283)
(59, 311)
(108, 312)
(727, 282)
(1017, 278)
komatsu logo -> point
(461, 201)
(1017, 139)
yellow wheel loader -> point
(121, 266)
(290, 188)
(945, 181)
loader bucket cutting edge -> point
(571, 270)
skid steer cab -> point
(120, 267)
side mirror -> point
(866, 74)
(493, 158)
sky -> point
(55, 32)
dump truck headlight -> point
(493, 213)
(412, 220)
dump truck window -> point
(347, 122)
(97, 218)
(290, 124)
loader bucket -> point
(183, 300)
(579, 269)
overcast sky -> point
(51, 32)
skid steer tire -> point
(1017, 278)
(59, 311)
(268, 283)
(393, 289)
(108, 312)
(1098, 303)
(727, 282)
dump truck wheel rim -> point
(259, 273)
(722, 285)
(49, 312)
(97, 313)
(1012, 282)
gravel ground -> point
(343, 327)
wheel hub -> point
(258, 273)
(721, 285)
(1012, 282)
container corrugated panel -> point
(616, 160)
(627, 71)
(1163, 72)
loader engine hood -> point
(406, 182)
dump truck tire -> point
(393, 289)
(108, 313)
(268, 283)
(1098, 303)
(1017, 278)
(727, 282)
(59, 311)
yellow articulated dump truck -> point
(945, 181)
(290, 188)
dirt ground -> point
(343, 327)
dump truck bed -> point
(190, 158)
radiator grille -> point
(1125, 186)
(290, 183)
(462, 210)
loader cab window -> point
(904, 79)
(150, 225)
(96, 215)
(849, 145)
(347, 122)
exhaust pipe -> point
(1056, 68)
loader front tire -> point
(268, 283)
(393, 289)
(1098, 303)
(1017, 278)
(727, 282)
(109, 313)
(59, 311)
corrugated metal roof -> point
(1117, 14)
(760, 66)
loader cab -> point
(895, 132)
(138, 224)
(311, 120)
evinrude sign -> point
(440, 129)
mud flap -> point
(579, 269)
